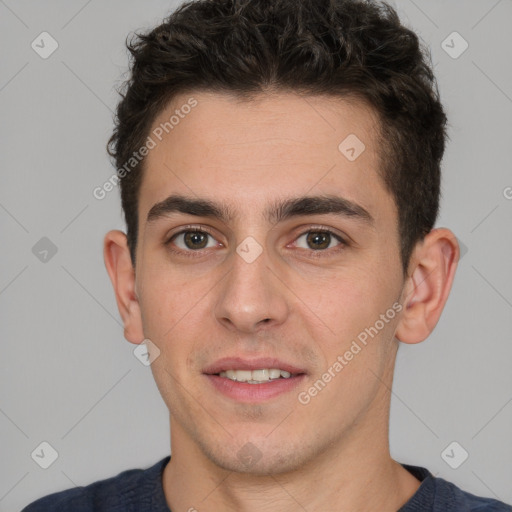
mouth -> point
(253, 380)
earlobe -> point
(118, 263)
(433, 267)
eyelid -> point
(323, 229)
(189, 227)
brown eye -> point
(192, 240)
(319, 240)
(195, 239)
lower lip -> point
(244, 392)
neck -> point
(356, 473)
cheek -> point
(357, 333)
(169, 303)
(345, 304)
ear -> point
(430, 276)
(122, 274)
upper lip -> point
(239, 363)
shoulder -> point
(439, 495)
(120, 493)
(462, 500)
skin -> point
(294, 302)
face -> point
(297, 287)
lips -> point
(239, 363)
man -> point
(279, 165)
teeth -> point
(274, 373)
(255, 376)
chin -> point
(258, 457)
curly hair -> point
(340, 48)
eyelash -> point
(202, 229)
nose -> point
(252, 297)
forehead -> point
(248, 154)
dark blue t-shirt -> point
(140, 490)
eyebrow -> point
(278, 211)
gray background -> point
(69, 378)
